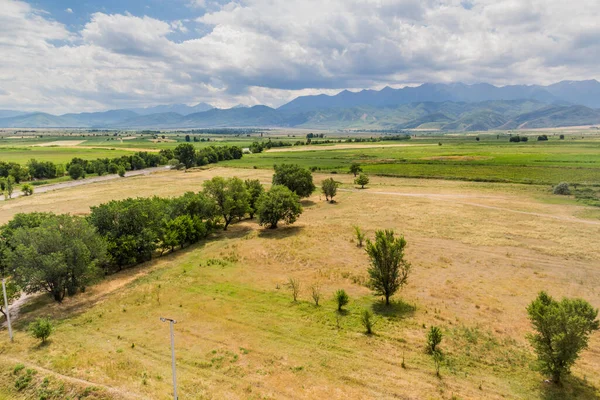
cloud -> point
(68, 10)
(267, 51)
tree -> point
(186, 154)
(255, 189)
(360, 236)
(562, 189)
(315, 292)
(41, 329)
(13, 292)
(299, 180)
(27, 189)
(279, 203)
(366, 318)
(187, 138)
(562, 332)
(121, 171)
(294, 285)
(76, 171)
(10, 186)
(355, 169)
(389, 271)
(434, 338)
(362, 180)
(341, 298)
(60, 256)
(230, 197)
(329, 187)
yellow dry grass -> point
(480, 252)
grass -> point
(240, 335)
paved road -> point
(69, 184)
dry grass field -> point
(480, 251)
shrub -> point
(329, 187)
(341, 298)
(294, 285)
(366, 319)
(542, 138)
(438, 357)
(562, 189)
(76, 171)
(27, 189)
(279, 203)
(355, 169)
(360, 236)
(299, 180)
(315, 293)
(434, 337)
(41, 329)
(562, 137)
(121, 171)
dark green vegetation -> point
(389, 270)
(492, 159)
(278, 204)
(562, 331)
(41, 329)
(299, 180)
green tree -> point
(355, 168)
(329, 187)
(360, 236)
(366, 318)
(60, 256)
(13, 292)
(299, 180)
(562, 332)
(41, 329)
(255, 189)
(186, 154)
(362, 180)
(76, 171)
(341, 298)
(389, 271)
(121, 171)
(230, 197)
(279, 203)
(10, 186)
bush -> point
(362, 180)
(294, 285)
(329, 187)
(299, 180)
(562, 137)
(121, 171)
(279, 203)
(341, 298)
(315, 293)
(355, 169)
(434, 337)
(41, 329)
(542, 138)
(366, 319)
(360, 236)
(76, 171)
(27, 189)
(562, 189)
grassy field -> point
(239, 335)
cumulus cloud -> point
(269, 51)
(69, 10)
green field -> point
(573, 161)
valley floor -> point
(480, 251)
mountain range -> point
(449, 107)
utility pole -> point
(171, 323)
(7, 310)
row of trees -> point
(187, 156)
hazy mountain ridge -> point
(430, 106)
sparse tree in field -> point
(76, 171)
(366, 318)
(41, 329)
(255, 189)
(294, 285)
(27, 189)
(10, 186)
(341, 298)
(389, 270)
(438, 358)
(13, 292)
(362, 180)
(360, 236)
(355, 169)
(299, 180)
(562, 137)
(562, 189)
(278, 204)
(434, 338)
(230, 197)
(60, 256)
(562, 330)
(329, 187)
(315, 292)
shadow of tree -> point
(396, 309)
(307, 203)
(572, 387)
(280, 233)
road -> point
(80, 182)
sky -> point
(90, 55)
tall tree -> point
(389, 270)
(186, 154)
(255, 189)
(279, 203)
(562, 332)
(299, 180)
(329, 187)
(230, 197)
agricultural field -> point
(480, 253)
